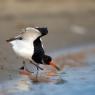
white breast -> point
(24, 48)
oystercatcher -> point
(28, 44)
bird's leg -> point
(23, 67)
(23, 64)
(37, 74)
(36, 65)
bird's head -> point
(48, 60)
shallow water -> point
(73, 81)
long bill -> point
(54, 65)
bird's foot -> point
(24, 71)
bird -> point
(28, 45)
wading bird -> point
(28, 45)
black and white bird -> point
(29, 45)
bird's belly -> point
(24, 50)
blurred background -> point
(70, 23)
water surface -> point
(75, 79)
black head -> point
(43, 30)
(47, 59)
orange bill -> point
(54, 65)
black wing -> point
(38, 51)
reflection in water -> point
(72, 80)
